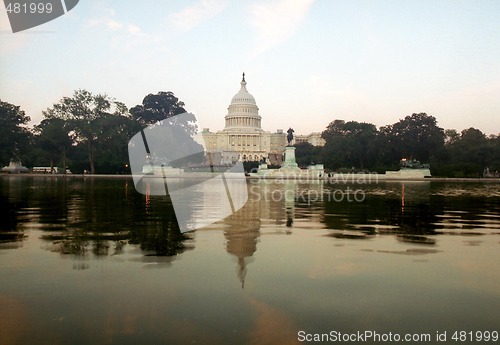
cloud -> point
(112, 24)
(276, 21)
(133, 29)
(108, 19)
(107, 22)
(192, 16)
(116, 26)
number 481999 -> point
(32, 7)
(475, 336)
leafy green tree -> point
(451, 136)
(54, 138)
(157, 107)
(472, 148)
(349, 144)
(415, 137)
(307, 154)
(14, 135)
(164, 105)
(85, 114)
(468, 154)
(181, 129)
(494, 143)
(333, 152)
(112, 147)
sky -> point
(307, 62)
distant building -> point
(243, 138)
(313, 139)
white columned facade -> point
(243, 137)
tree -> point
(333, 153)
(468, 154)
(451, 136)
(112, 147)
(14, 136)
(494, 142)
(84, 114)
(157, 107)
(472, 148)
(349, 144)
(165, 136)
(414, 137)
(307, 154)
(54, 138)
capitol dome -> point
(243, 113)
(243, 139)
(243, 96)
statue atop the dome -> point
(289, 137)
(243, 77)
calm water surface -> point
(91, 261)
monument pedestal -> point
(290, 165)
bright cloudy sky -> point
(307, 62)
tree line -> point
(90, 132)
(359, 146)
(84, 132)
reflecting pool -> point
(88, 260)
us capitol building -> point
(243, 138)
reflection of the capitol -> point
(242, 234)
(269, 205)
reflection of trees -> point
(94, 216)
(107, 229)
(11, 235)
(31, 200)
(405, 206)
(80, 242)
(89, 216)
(8, 226)
(413, 209)
(162, 237)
